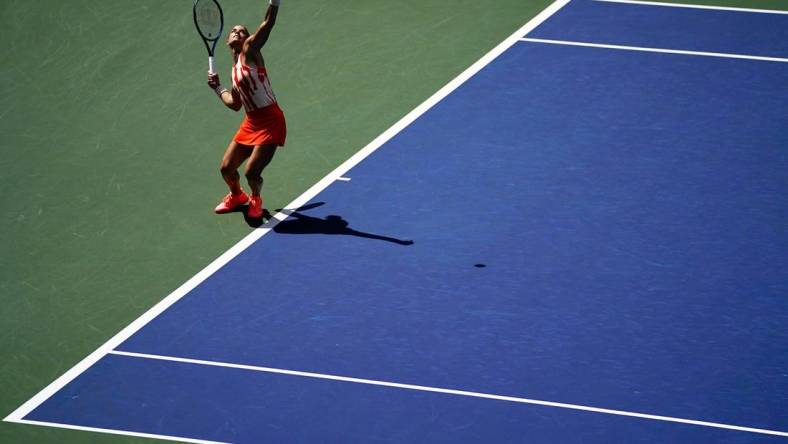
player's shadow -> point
(299, 223)
(252, 221)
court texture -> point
(500, 221)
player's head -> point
(237, 36)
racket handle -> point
(211, 67)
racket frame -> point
(212, 47)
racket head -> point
(209, 21)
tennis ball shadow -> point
(299, 223)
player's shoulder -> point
(253, 58)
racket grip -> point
(211, 67)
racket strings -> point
(208, 18)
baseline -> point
(117, 432)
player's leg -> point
(260, 158)
(233, 157)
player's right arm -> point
(229, 97)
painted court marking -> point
(30, 405)
(338, 174)
(117, 432)
(659, 50)
(686, 5)
(450, 392)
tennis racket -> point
(209, 20)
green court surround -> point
(112, 141)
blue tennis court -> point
(583, 242)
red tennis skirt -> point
(264, 126)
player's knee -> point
(226, 169)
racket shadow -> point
(300, 223)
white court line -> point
(660, 50)
(452, 392)
(343, 179)
(18, 414)
(117, 432)
(686, 5)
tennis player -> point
(263, 128)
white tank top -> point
(253, 86)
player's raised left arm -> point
(256, 41)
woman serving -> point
(263, 128)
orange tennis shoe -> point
(255, 207)
(231, 202)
